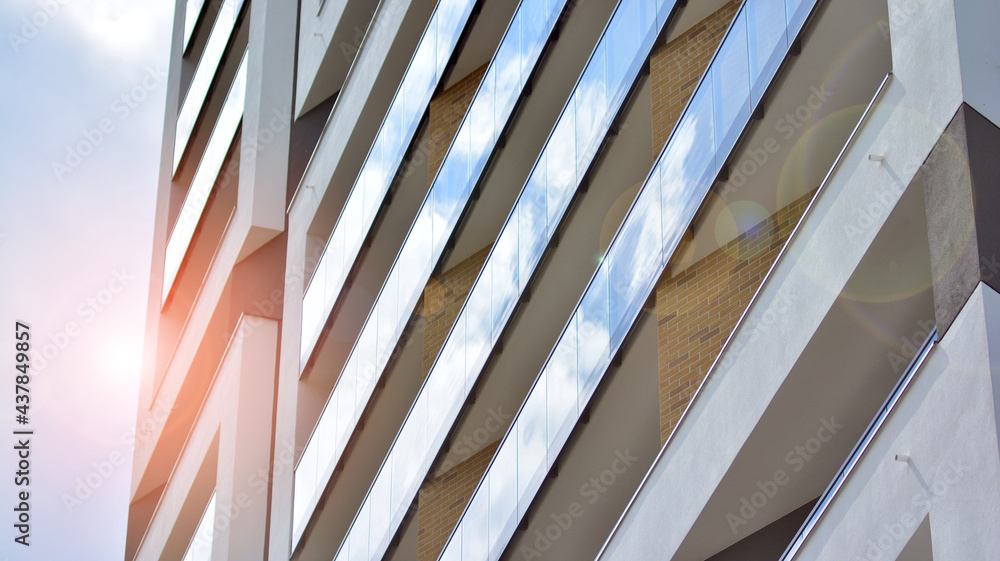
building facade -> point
(574, 279)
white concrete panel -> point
(266, 119)
(237, 410)
(979, 47)
(245, 441)
(168, 512)
(918, 103)
(945, 424)
(330, 34)
(349, 107)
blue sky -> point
(76, 213)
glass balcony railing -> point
(583, 124)
(204, 74)
(386, 155)
(491, 108)
(200, 548)
(191, 13)
(718, 112)
(204, 179)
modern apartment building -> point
(575, 279)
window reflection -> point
(651, 231)
(463, 163)
(204, 75)
(200, 548)
(381, 163)
(191, 12)
(204, 180)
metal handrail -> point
(859, 449)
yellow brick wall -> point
(442, 500)
(444, 297)
(698, 307)
(676, 68)
(446, 113)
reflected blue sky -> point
(551, 185)
(383, 159)
(719, 109)
(440, 211)
(191, 11)
(204, 74)
(204, 179)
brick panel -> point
(446, 113)
(444, 297)
(698, 307)
(676, 68)
(442, 500)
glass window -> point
(503, 498)
(561, 391)
(592, 335)
(480, 123)
(795, 13)
(531, 216)
(204, 179)
(388, 319)
(475, 529)
(767, 42)
(335, 271)
(203, 77)
(731, 87)
(530, 430)
(505, 286)
(200, 548)
(446, 390)
(191, 13)
(634, 258)
(625, 33)
(560, 157)
(378, 525)
(478, 314)
(592, 110)
(359, 535)
(345, 393)
(407, 453)
(450, 14)
(507, 69)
